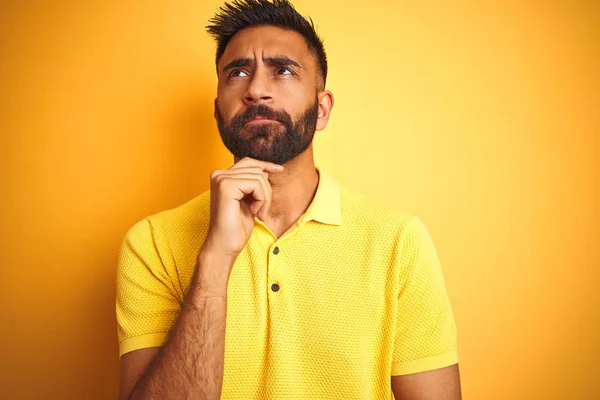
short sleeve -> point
(425, 335)
(146, 306)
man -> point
(279, 283)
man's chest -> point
(309, 315)
(328, 298)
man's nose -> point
(258, 90)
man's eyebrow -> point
(279, 61)
(282, 61)
(237, 63)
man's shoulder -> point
(191, 216)
(359, 209)
(196, 209)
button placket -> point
(274, 285)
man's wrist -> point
(212, 272)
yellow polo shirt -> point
(352, 294)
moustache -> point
(260, 110)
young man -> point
(279, 283)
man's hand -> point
(238, 194)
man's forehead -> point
(268, 41)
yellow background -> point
(480, 117)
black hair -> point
(241, 14)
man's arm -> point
(438, 384)
(190, 364)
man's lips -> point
(260, 120)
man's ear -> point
(325, 99)
(215, 109)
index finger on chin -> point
(251, 162)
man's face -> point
(267, 104)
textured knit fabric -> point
(361, 297)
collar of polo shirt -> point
(325, 206)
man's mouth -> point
(260, 119)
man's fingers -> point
(251, 186)
(256, 207)
(262, 177)
(242, 170)
(250, 173)
(251, 162)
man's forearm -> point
(190, 364)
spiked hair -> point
(241, 14)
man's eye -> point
(284, 71)
(237, 72)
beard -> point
(276, 142)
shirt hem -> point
(425, 364)
(141, 342)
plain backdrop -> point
(480, 117)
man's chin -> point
(259, 157)
(262, 156)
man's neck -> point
(292, 192)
